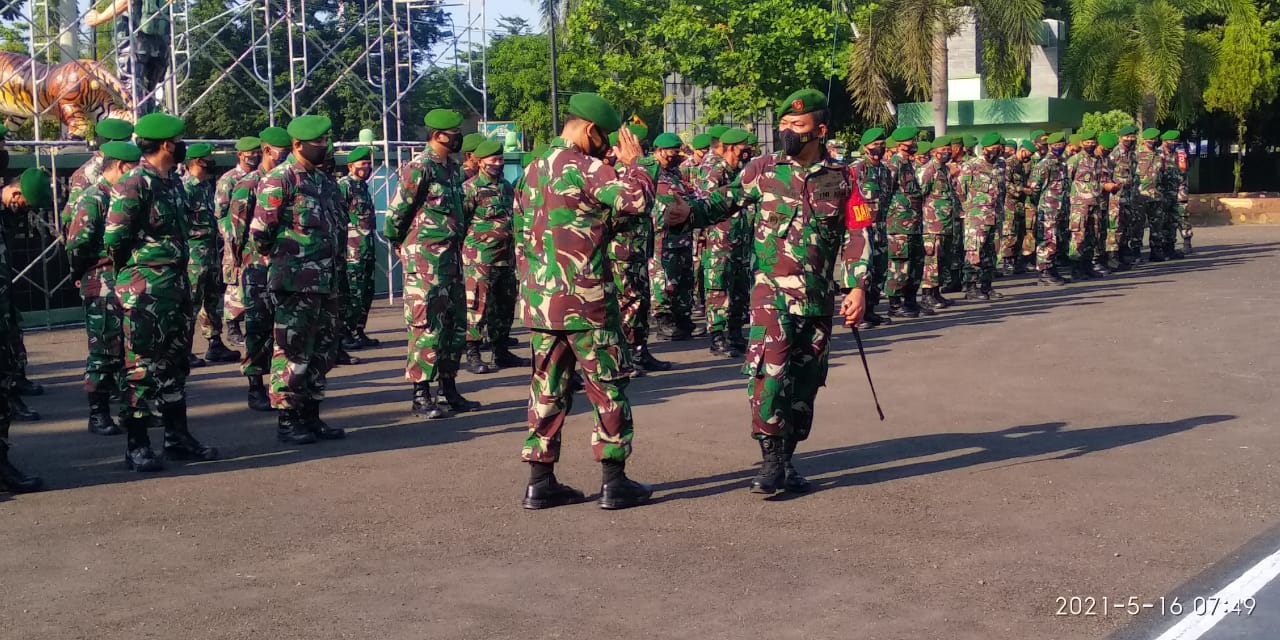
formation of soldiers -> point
(605, 235)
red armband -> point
(857, 213)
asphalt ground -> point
(1110, 439)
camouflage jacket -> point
(202, 230)
(222, 192)
(361, 218)
(1124, 172)
(691, 170)
(876, 181)
(146, 234)
(980, 191)
(1048, 184)
(488, 204)
(1085, 172)
(1173, 181)
(90, 263)
(716, 174)
(939, 197)
(571, 199)
(671, 183)
(903, 216)
(801, 235)
(293, 225)
(1017, 173)
(429, 232)
(244, 200)
(1150, 164)
(88, 174)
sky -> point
(491, 10)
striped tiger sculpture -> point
(79, 93)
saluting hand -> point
(628, 149)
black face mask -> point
(252, 162)
(180, 152)
(793, 143)
(1090, 151)
(362, 174)
(944, 157)
(1057, 151)
(314, 155)
(4, 159)
(1127, 144)
(453, 142)
(877, 152)
(991, 156)
(744, 156)
(492, 170)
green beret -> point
(873, 135)
(701, 141)
(1087, 134)
(113, 129)
(752, 139)
(803, 101)
(159, 126)
(276, 137)
(1150, 133)
(924, 147)
(488, 148)
(717, 131)
(471, 141)
(1127, 130)
(360, 153)
(613, 139)
(991, 139)
(199, 150)
(1108, 140)
(1074, 140)
(1056, 137)
(307, 128)
(1038, 133)
(596, 110)
(969, 141)
(120, 150)
(526, 159)
(35, 188)
(1172, 134)
(904, 134)
(1029, 146)
(734, 136)
(649, 165)
(640, 131)
(667, 141)
(442, 119)
(248, 143)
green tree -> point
(1106, 121)
(518, 86)
(512, 26)
(1246, 75)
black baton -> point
(862, 352)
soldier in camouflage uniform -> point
(1122, 204)
(1101, 238)
(488, 261)
(470, 167)
(204, 263)
(876, 182)
(722, 275)
(1049, 188)
(147, 240)
(1084, 172)
(360, 255)
(1173, 195)
(981, 195)
(569, 301)
(694, 173)
(251, 265)
(801, 236)
(30, 190)
(1019, 217)
(91, 267)
(939, 206)
(903, 226)
(1150, 164)
(425, 222)
(332, 308)
(248, 157)
(90, 173)
(142, 46)
(293, 228)
(671, 268)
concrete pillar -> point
(1046, 61)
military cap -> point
(667, 140)
(1038, 133)
(276, 137)
(717, 131)
(248, 143)
(1074, 140)
(1056, 137)
(1108, 140)
(969, 141)
(1028, 145)
(1150, 133)
(526, 159)
(596, 110)
(701, 141)
(159, 126)
(1087, 134)
(113, 129)
(873, 135)
(307, 128)
(488, 148)
(199, 150)
(640, 131)
(120, 150)
(613, 139)
(1127, 130)
(442, 119)
(991, 139)
(752, 139)
(649, 165)
(803, 101)
(471, 141)
(904, 134)
(359, 153)
(734, 136)
(1172, 134)
(35, 188)
(924, 147)
(1010, 143)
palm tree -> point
(906, 41)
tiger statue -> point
(79, 93)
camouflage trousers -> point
(491, 303)
(1136, 226)
(15, 342)
(600, 354)
(671, 277)
(699, 268)
(259, 322)
(360, 298)
(104, 327)
(207, 292)
(1083, 222)
(1063, 237)
(1046, 236)
(233, 303)
(435, 310)
(632, 282)
(952, 272)
(1017, 235)
(879, 262)
(157, 348)
(905, 264)
(1179, 219)
(333, 317)
(145, 73)
(1163, 227)
(299, 359)
(979, 251)
(1117, 224)
(728, 288)
(938, 249)
(787, 363)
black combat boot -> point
(1117, 262)
(1021, 264)
(311, 414)
(954, 285)
(1186, 245)
(773, 470)
(138, 455)
(503, 357)
(721, 346)
(351, 342)
(475, 364)
(1007, 267)
(663, 326)
(545, 492)
(682, 330)
(235, 335)
(195, 362)
(939, 301)
(989, 291)
(928, 305)
(457, 403)
(1157, 254)
(1171, 251)
(24, 386)
(218, 352)
(973, 292)
(576, 383)
(897, 310)
(792, 481)
(18, 410)
(100, 422)
(179, 444)
(292, 428)
(425, 405)
(912, 303)
(344, 358)
(642, 358)
(617, 491)
(258, 398)
(1099, 269)
(1050, 277)
(736, 338)
(11, 478)
(366, 341)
